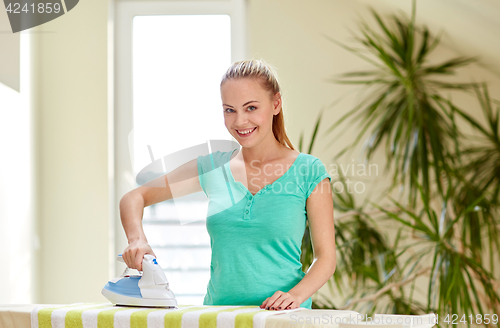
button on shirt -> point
(256, 239)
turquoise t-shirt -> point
(256, 239)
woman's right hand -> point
(134, 254)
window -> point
(169, 59)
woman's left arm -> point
(319, 206)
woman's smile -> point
(246, 132)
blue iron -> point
(149, 288)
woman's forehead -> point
(236, 88)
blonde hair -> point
(268, 79)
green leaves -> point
(448, 228)
(407, 110)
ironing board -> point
(18, 316)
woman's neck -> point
(264, 153)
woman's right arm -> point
(182, 181)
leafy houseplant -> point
(451, 220)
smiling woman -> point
(257, 213)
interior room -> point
(103, 93)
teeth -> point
(245, 131)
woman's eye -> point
(230, 110)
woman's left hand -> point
(281, 301)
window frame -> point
(121, 173)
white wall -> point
(72, 164)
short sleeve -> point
(201, 173)
(207, 164)
(317, 172)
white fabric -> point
(155, 319)
(89, 318)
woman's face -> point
(248, 111)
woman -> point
(260, 199)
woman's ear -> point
(277, 103)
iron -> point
(149, 288)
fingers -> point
(280, 301)
(138, 258)
(292, 305)
(129, 256)
(134, 254)
(288, 305)
(263, 305)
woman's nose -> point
(241, 120)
